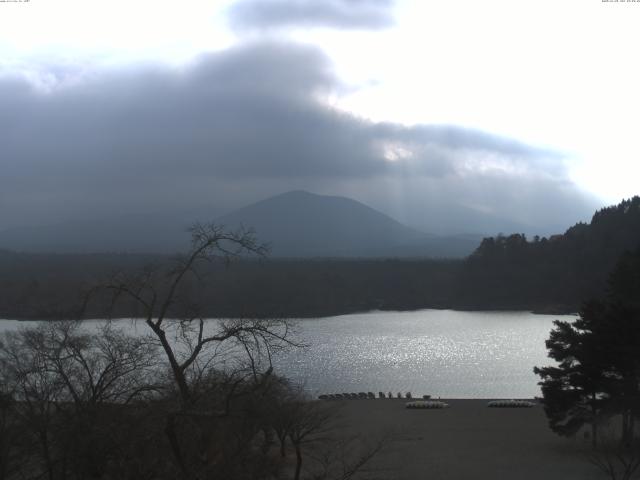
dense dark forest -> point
(505, 272)
(553, 274)
(53, 286)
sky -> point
(518, 113)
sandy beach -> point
(468, 440)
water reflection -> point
(438, 352)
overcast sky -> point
(520, 110)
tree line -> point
(505, 272)
(554, 274)
(53, 286)
(188, 399)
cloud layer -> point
(248, 122)
(342, 14)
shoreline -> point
(533, 310)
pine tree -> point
(598, 355)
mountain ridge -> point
(296, 223)
(303, 224)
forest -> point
(550, 275)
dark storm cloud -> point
(239, 124)
(341, 14)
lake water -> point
(444, 353)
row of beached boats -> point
(367, 395)
(425, 403)
(428, 404)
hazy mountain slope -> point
(296, 224)
(453, 219)
(155, 233)
(304, 224)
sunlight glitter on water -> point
(443, 353)
(438, 352)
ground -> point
(467, 441)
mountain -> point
(303, 224)
(510, 272)
(296, 224)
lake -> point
(446, 353)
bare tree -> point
(309, 422)
(191, 399)
(321, 446)
(194, 347)
(10, 436)
(189, 346)
(63, 379)
(345, 457)
(28, 379)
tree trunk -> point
(170, 431)
(178, 374)
(268, 440)
(594, 420)
(626, 428)
(44, 441)
(298, 462)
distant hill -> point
(556, 272)
(552, 274)
(303, 224)
(296, 224)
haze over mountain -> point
(250, 121)
(505, 272)
(302, 224)
(295, 224)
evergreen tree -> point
(598, 355)
(575, 391)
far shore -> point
(544, 310)
(467, 440)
